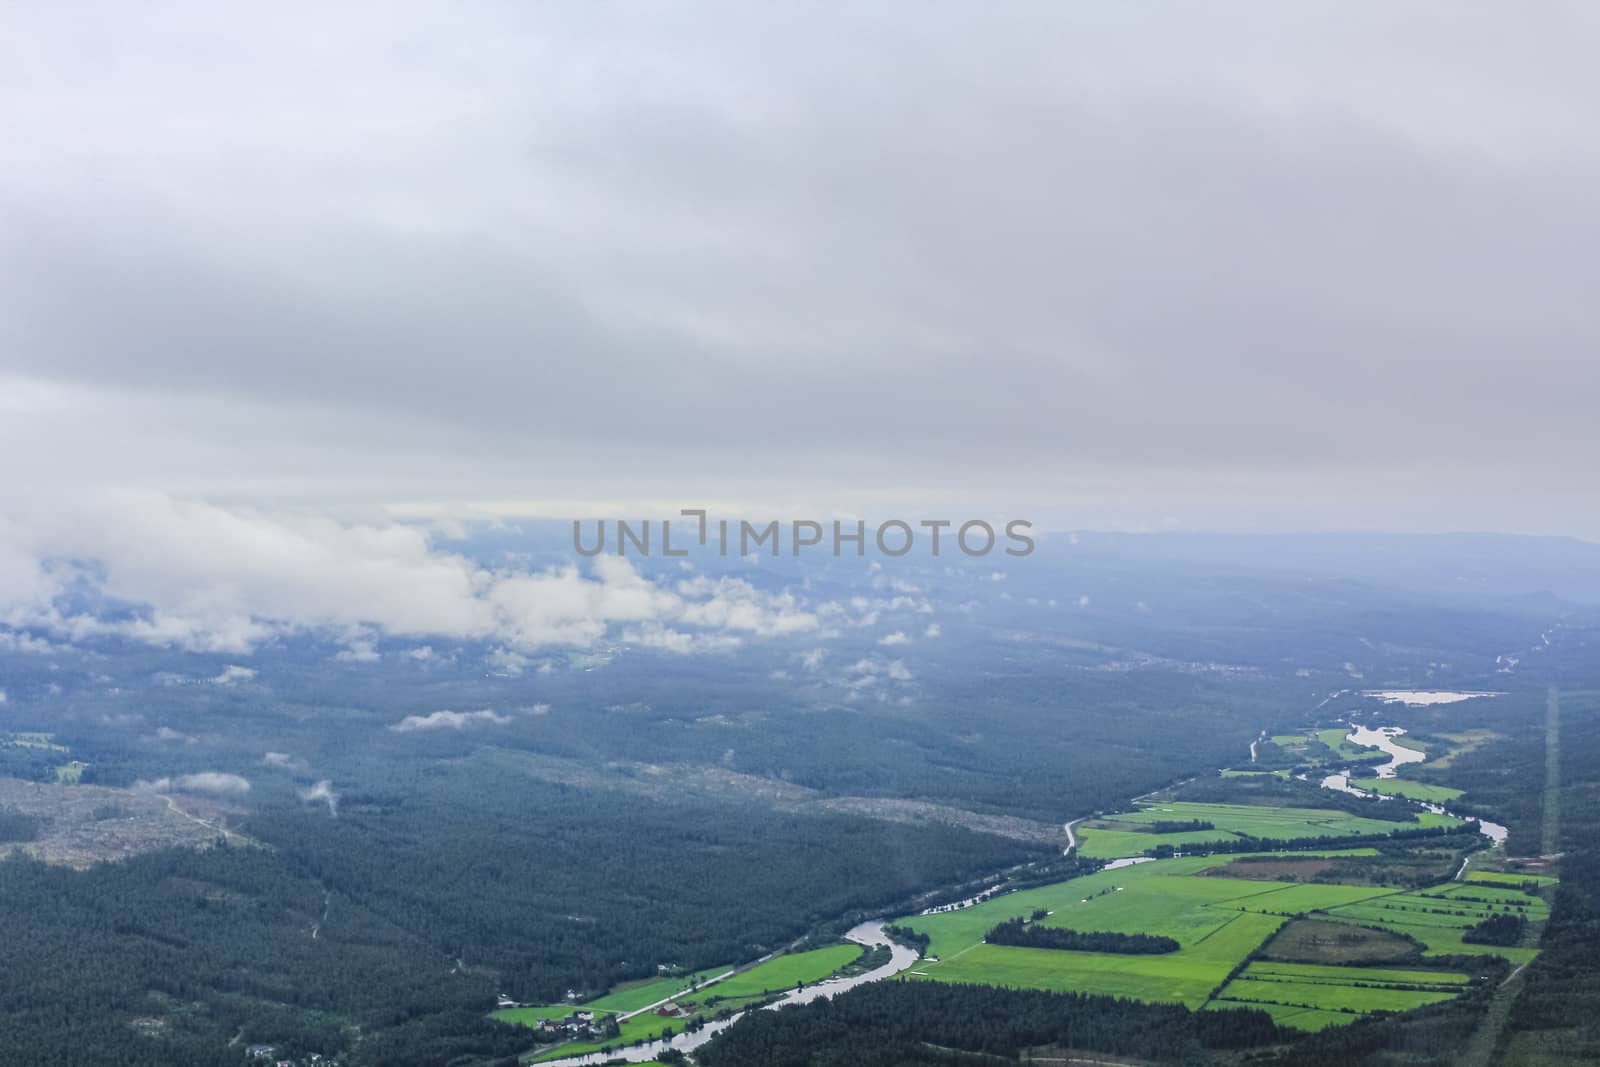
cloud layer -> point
(1310, 265)
(215, 579)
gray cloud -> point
(1160, 264)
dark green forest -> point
(904, 1024)
(405, 915)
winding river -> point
(867, 934)
(902, 958)
(1382, 738)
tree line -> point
(1021, 933)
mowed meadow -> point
(1221, 925)
(1314, 996)
(1132, 833)
(1217, 921)
(1440, 915)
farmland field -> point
(1299, 899)
(1121, 835)
(530, 1016)
(1312, 972)
(773, 976)
(1510, 878)
(1203, 914)
(1286, 1015)
(644, 1027)
(632, 996)
(1401, 787)
(1438, 917)
(1338, 740)
(1344, 991)
(1460, 745)
(1321, 941)
(1221, 922)
(779, 975)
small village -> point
(270, 1054)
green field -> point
(1241, 773)
(632, 996)
(530, 1016)
(1439, 916)
(777, 976)
(1329, 996)
(1284, 1015)
(774, 976)
(1491, 893)
(1338, 740)
(1219, 922)
(646, 1027)
(1119, 835)
(1203, 914)
(1300, 899)
(1297, 745)
(1510, 878)
(1401, 787)
(1335, 995)
(1313, 972)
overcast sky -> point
(1269, 266)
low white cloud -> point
(359, 650)
(2, 696)
(201, 577)
(167, 733)
(666, 639)
(932, 630)
(505, 661)
(897, 638)
(421, 655)
(286, 761)
(449, 720)
(218, 782)
(735, 604)
(322, 791)
(233, 673)
(22, 642)
(871, 671)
